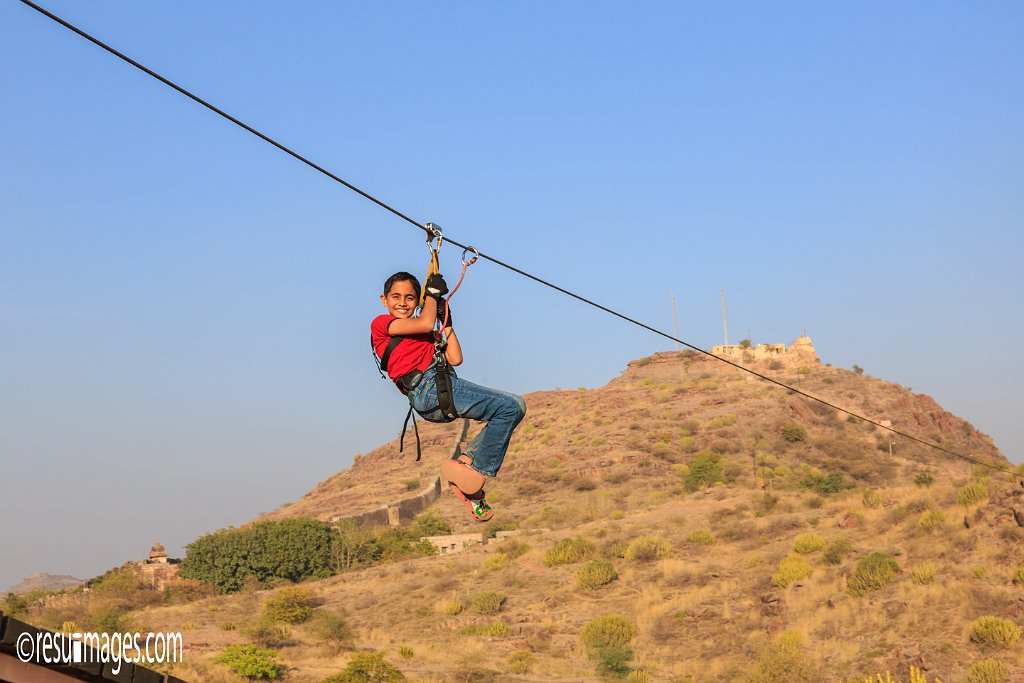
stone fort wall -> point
(802, 348)
(405, 509)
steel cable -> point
(492, 259)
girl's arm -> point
(420, 325)
(453, 353)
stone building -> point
(801, 349)
(453, 543)
(158, 569)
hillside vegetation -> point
(686, 522)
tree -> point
(705, 470)
(291, 549)
(356, 546)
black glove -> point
(436, 286)
(441, 317)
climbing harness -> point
(443, 371)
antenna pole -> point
(675, 321)
(725, 328)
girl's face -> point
(401, 299)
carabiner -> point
(476, 255)
(434, 233)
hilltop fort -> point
(802, 349)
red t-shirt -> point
(413, 353)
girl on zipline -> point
(418, 359)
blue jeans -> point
(501, 411)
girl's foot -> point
(476, 504)
(468, 480)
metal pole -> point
(675, 321)
(725, 328)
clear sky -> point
(184, 310)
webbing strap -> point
(445, 399)
(405, 425)
(395, 341)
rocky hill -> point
(811, 547)
(41, 581)
(662, 411)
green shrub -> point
(406, 652)
(647, 548)
(520, 661)
(595, 574)
(988, 671)
(110, 620)
(513, 548)
(267, 633)
(291, 605)
(808, 543)
(15, 605)
(923, 573)
(613, 660)
(494, 562)
(837, 551)
(367, 667)
(871, 573)
(705, 470)
(826, 486)
(331, 627)
(792, 568)
(701, 537)
(568, 551)
(1018, 576)
(782, 661)
(411, 484)
(453, 607)
(494, 629)
(609, 630)
(972, 494)
(980, 572)
(430, 523)
(250, 662)
(872, 499)
(290, 549)
(924, 480)
(995, 631)
(931, 521)
(793, 432)
(487, 603)
(726, 420)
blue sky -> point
(184, 310)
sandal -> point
(478, 508)
(462, 475)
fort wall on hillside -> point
(394, 513)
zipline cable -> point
(429, 232)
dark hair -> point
(402, 276)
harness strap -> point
(395, 341)
(405, 425)
(443, 384)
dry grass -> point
(700, 610)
